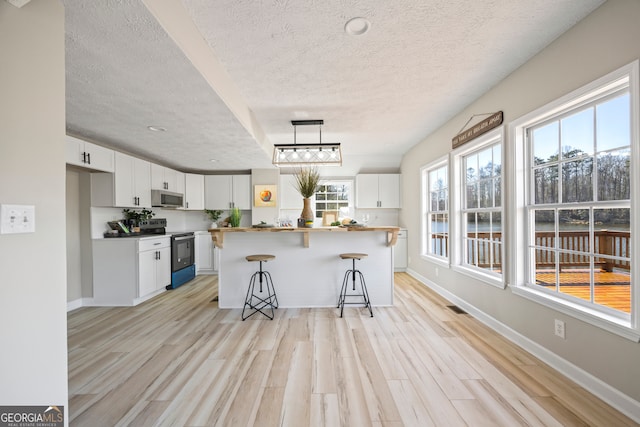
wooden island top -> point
(217, 234)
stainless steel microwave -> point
(166, 199)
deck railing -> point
(613, 245)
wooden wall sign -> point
(491, 122)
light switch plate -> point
(17, 219)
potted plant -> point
(214, 216)
(134, 217)
(306, 182)
(234, 217)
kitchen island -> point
(307, 271)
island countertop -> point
(307, 270)
(217, 234)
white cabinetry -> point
(129, 270)
(154, 265)
(128, 186)
(88, 155)
(205, 253)
(400, 252)
(194, 192)
(290, 198)
(378, 191)
(163, 178)
(227, 191)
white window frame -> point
(337, 181)
(518, 228)
(425, 226)
(457, 231)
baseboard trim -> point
(604, 391)
(78, 303)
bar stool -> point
(352, 273)
(262, 301)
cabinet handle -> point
(187, 205)
(89, 158)
(84, 157)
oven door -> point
(182, 251)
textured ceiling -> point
(421, 62)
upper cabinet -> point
(128, 186)
(163, 178)
(194, 192)
(378, 191)
(227, 191)
(88, 155)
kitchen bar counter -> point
(218, 233)
(307, 271)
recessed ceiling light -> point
(213, 160)
(357, 26)
(157, 128)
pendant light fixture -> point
(299, 155)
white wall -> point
(601, 43)
(33, 359)
(264, 177)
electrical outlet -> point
(559, 328)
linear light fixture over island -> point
(299, 155)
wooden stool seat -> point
(260, 257)
(353, 255)
(258, 300)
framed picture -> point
(265, 196)
(328, 217)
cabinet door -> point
(217, 192)
(367, 191)
(389, 190)
(157, 177)
(99, 158)
(147, 272)
(290, 198)
(88, 155)
(142, 182)
(194, 191)
(180, 184)
(241, 196)
(163, 268)
(123, 181)
(171, 178)
(204, 252)
(75, 151)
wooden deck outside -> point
(612, 289)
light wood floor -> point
(178, 360)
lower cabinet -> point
(400, 252)
(154, 265)
(205, 253)
(130, 270)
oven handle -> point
(183, 238)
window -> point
(435, 210)
(577, 165)
(334, 196)
(478, 173)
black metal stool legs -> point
(352, 274)
(259, 302)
